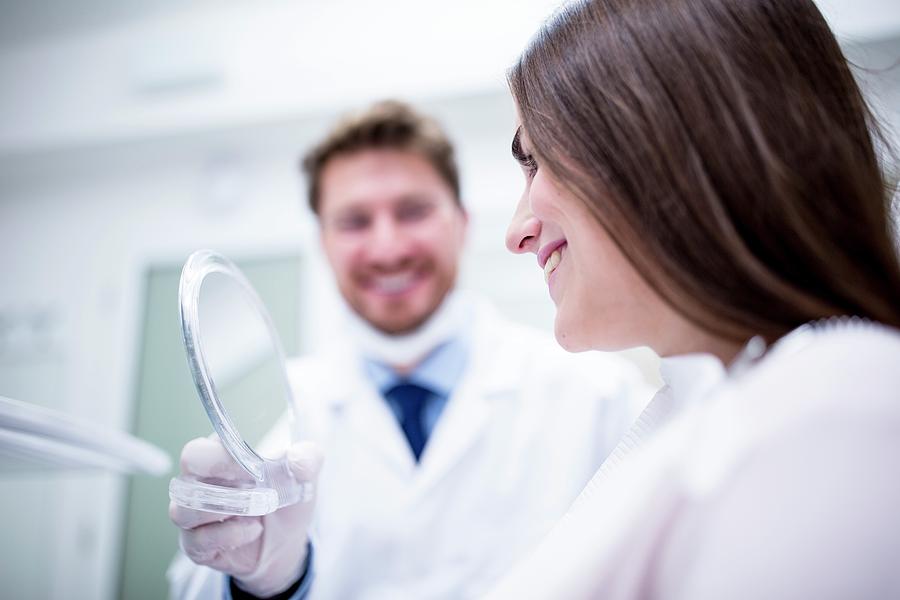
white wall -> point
(879, 71)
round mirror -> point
(238, 366)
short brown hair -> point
(388, 124)
(726, 149)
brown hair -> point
(388, 124)
(726, 148)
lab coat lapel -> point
(468, 412)
(463, 423)
(372, 423)
(367, 417)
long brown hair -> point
(726, 148)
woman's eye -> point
(525, 159)
(530, 166)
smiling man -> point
(392, 229)
(453, 439)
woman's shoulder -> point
(850, 340)
(796, 473)
(847, 362)
(841, 375)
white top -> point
(693, 376)
(781, 482)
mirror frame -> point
(198, 266)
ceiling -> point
(33, 21)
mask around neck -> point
(450, 320)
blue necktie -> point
(410, 398)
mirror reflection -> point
(243, 361)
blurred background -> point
(133, 132)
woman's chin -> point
(575, 338)
(571, 341)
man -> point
(453, 438)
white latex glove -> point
(264, 554)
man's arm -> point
(298, 591)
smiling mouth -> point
(552, 262)
(394, 285)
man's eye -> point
(413, 212)
(352, 222)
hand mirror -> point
(238, 366)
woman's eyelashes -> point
(527, 161)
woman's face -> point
(601, 301)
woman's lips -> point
(549, 257)
(552, 262)
(544, 253)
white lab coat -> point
(782, 483)
(523, 431)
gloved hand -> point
(264, 554)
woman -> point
(701, 178)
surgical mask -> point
(451, 319)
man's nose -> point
(524, 230)
(387, 241)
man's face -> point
(392, 233)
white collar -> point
(690, 377)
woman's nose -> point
(524, 230)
